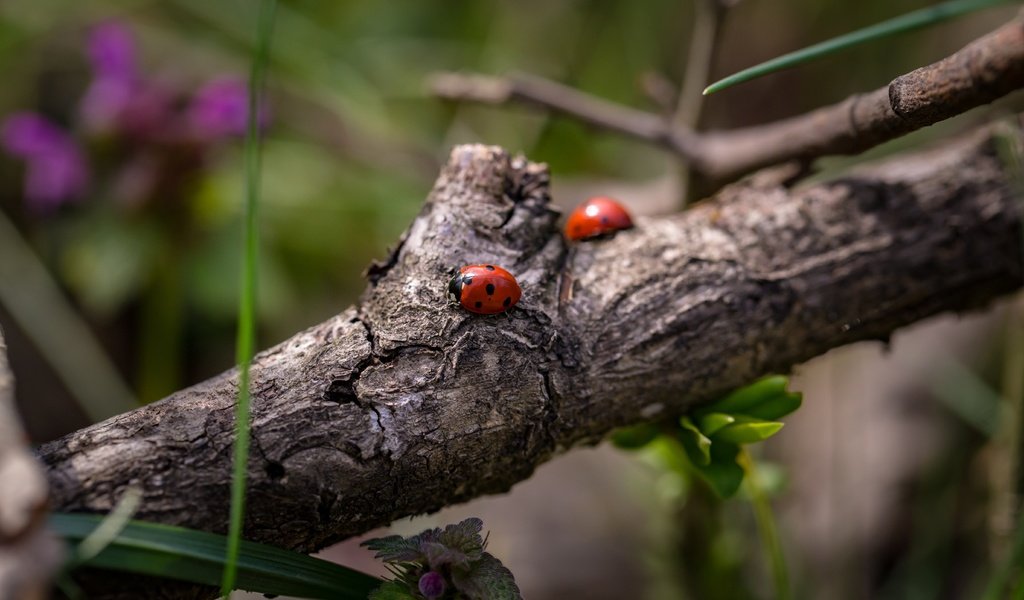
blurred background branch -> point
(39, 307)
(983, 71)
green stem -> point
(766, 526)
(160, 357)
(1013, 161)
(997, 583)
(908, 22)
(247, 301)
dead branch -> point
(406, 403)
(983, 71)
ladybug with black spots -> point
(484, 289)
(596, 218)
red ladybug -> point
(484, 289)
(597, 217)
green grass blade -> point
(247, 301)
(199, 557)
(908, 22)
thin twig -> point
(707, 25)
(983, 71)
(549, 95)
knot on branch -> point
(486, 207)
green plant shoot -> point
(908, 22)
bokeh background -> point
(120, 204)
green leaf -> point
(908, 22)
(777, 407)
(748, 433)
(392, 590)
(748, 397)
(198, 556)
(395, 549)
(488, 579)
(696, 444)
(438, 555)
(722, 473)
(637, 436)
(712, 422)
(464, 537)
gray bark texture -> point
(406, 403)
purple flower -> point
(432, 585)
(111, 50)
(55, 168)
(221, 108)
(119, 98)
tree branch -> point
(407, 404)
(28, 554)
(983, 71)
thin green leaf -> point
(696, 444)
(712, 422)
(777, 407)
(247, 301)
(747, 433)
(749, 396)
(199, 557)
(908, 22)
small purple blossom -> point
(119, 98)
(432, 585)
(55, 168)
(112, 52)
(221, 108)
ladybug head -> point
(455, 288)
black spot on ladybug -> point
(507, 302)
(467, 280)
(479, 304)
(489, 267)
(490, 289)
(604, 220)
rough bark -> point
(406, 403)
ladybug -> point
(597, 217)
(484, 289)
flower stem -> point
(766, 526)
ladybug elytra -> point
(484, 289)
(597, 217)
